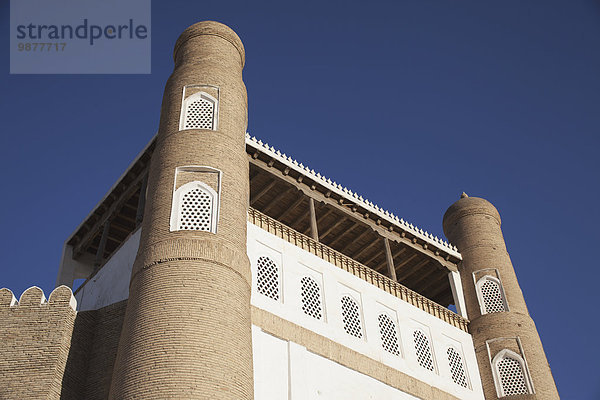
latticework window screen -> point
(311, 298)
(199, 112)
(492, 295)
(457, 368)
(195, 209)
(423, 350)
(512, 377)
(389, 335)
(351, 317)
(268, 278)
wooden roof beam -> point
(394, 256)
(365, 249)
(351, 211)
(84, 242)
(321, 218)
(276, 199)
(374, 256)
(291, 208)
(332, 227)
(253, 174)
(438, 285)
(401, 264)
(356, 239)
(263, 191)
(337, 239)
(421, 278)
(409, 272)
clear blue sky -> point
(405, 102)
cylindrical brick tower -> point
(187, 330)
(509, 351)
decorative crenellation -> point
(34, 297)
(354, 267)
(345, 192)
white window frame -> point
(176, 205)
(496, 373)
(198, 95)
(480, 283)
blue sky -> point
(408, 103)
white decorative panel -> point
(457, 368)
(194, 208)
(512, 377)
(199, 112)
(267, 277)
(423, 350)
(311, 297)
(491, 293)
(389, 334)
(351, 316)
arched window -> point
(389, 334)
(267, 277)
(423, 350)
(194, 208)
(351, 317)
(199, 112)
(511, 374)
(457, 368)
(311, 297)
(491, 295)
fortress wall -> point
(36, 339)
(49, 351)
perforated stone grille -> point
(423, 350)
(199, 114)
(512, 377)
(351, 317)
(456, 367)
(195, 210)
(389, 336)
(268, 278)
(311, 298)
(493, 300)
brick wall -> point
(49, 351)
(36, 338)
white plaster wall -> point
(111, 284)
(285, 370)
(294, 263)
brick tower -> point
(187, 331)
(510, 355)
